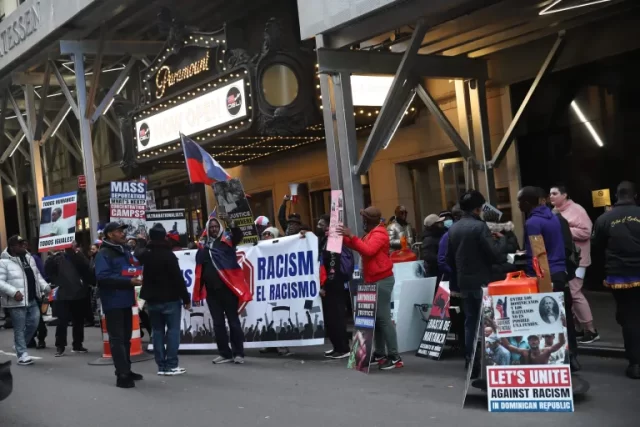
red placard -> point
(82, 182)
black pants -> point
(335, 311)
(628, 317)
(222, 302)
(73, 311)
(119, 322)
(561, 284)
(89, 316)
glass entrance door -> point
(453, 180)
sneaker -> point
(80, 350)
(589, 337)
(392, 362)
(175, 371)
(125, 381)
(25, 360)
(238, 360)
(378, 359)
(284, 351)
(162, 373)
(633, 372)
(339, 355)
(135, 377)
(329, 353)
(41, 345)
(59, 352)
(220, 360)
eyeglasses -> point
(267, 235)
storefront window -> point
(279, 85)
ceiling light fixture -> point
(564, 5)
(588, 124)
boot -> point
(125, 381)
(633, 372)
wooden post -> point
(539, 252)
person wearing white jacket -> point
(22, 288)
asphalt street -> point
(300, 390)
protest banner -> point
(286, 310)
(173, 220)
(233, 202)
(527, 331)
(334, 243)
(128, 204)
(365, 324)
(529, 388)
(438, 325)
(57, 222)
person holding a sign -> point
(377, 269)
(22, 289)
(218, 273)
(117, 277)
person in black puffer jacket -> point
(165, 293)
(433, 232)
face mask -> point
(448, 223)
(319, 232)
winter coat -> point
(114, 288)
(13, 279)
(500, 270)
(473, 251)
(70, 272)
(617, 234)
(542, 222)
(581, 228)
(430, 244)
(162, 280)
(396, 232)
(448, 274)
(374, 249)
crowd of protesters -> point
(466, 246)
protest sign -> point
(286, 310)
(57, 222)
(334, 243)
(528, 331)
(529, 388)
(364, 323)
(173, 220)
(233, 202)
(128, 204)
(438, 325)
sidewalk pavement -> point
(303, 389)
(603, 308)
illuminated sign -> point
(370, 91)
(166, 78)
(212, 109)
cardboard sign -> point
(233, 202)
(365, 325)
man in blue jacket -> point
(117, 278)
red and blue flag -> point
(201, 166)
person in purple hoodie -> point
(541, 221)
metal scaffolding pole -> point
(87, 145)
(481, 135)
(22, 226)
(36, 159)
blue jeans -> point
(25, 323)
(471, 304)
(165, 322)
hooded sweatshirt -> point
(581, 228)
(543, 222)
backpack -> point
(347, 264)
(571, 251)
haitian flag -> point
(201, 166)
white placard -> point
(205, 112)
(370, 91)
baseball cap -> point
(294, 217)
(432, 219)
(113, 226)
(262, 221)
(371, 213)
(15, 240)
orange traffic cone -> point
(136, 352)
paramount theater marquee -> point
(188, 89)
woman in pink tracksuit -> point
(581, 227)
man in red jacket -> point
(377, 269)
